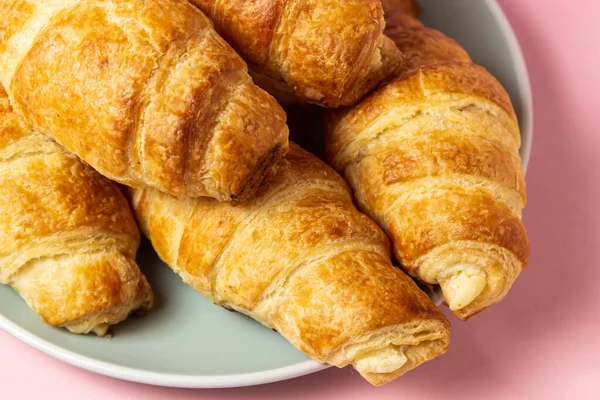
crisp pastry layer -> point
(327, 52)
(299, 258)
(68, 238)
(433, 158)
(145, 91)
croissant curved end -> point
(382, 361)
(462, 288)
(101, 329)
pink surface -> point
(543, 341)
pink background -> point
(543, 341)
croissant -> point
(145, 91)
(67, 235)
(325, 52)
(301, 259)
(400, 13)
(433, 158)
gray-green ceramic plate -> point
(185, 340)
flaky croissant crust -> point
(433, 158)
(67, 235)
(326, 52)
(301, 259)
(145, 91)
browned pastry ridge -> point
(301, 259)
(326, 52)
(145, 91)
(67, 235)
(433, 157)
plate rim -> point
(158, 378)
(523, 81)
(291, 371)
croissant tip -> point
(461, 289)
(102, 330)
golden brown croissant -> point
(145, 91)
(67, 235)
(301, 259)
(326, 52)
(433, 157)
(400, 13)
